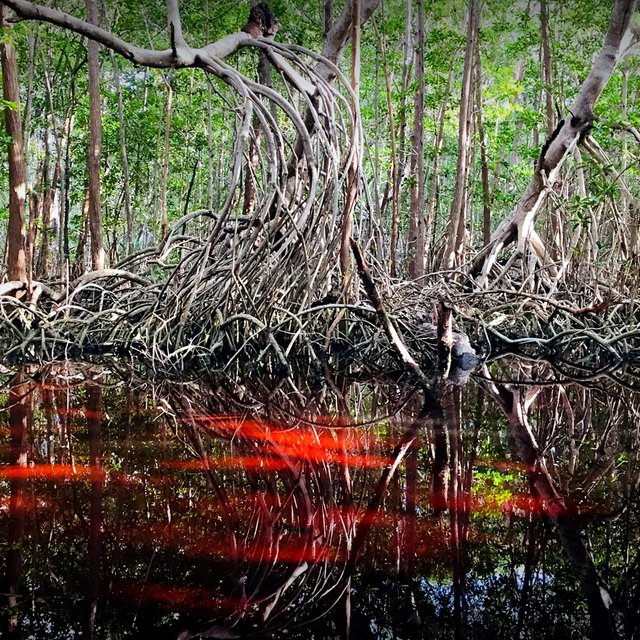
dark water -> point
(489, 511)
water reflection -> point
(498, 510)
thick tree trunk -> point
(519, 224)
(416, 239)
(95, 144)
(17, 233)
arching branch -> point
(569, 132)
(180, 55)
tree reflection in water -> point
(504, 509)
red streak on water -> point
(241, 462)
(51, 472)
(299, 444)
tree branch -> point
(569, 132)
(181, 55)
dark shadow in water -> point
(498, 510)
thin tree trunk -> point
(484, 163)
(555, 239)
(454, 248)
(354, 167)
(393, 250)
(164, 218)
(124, 159)
(95, 144)
(402, 135)
(547, 75)
(94, 423)
(44, 264)
(435, 176)
(416, 239)
(17, 233)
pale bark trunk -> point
(95, 144)
(416, 239)
(519, 224)
(17, 233)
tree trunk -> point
(402, 135)
(164, 217)
(484, 163)
(520, 222)
(17, 233)
(94, 423)
(124, 159)
(454, 247)
(416, 240)
(20, 416)
(393, 151)
(95, 144)
(547, 75)
(354, 167)
(435, 175)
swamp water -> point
(500, 509)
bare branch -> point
(181, 56)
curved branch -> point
(182, 55)
(568, 133)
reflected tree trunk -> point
(94, 422)
(516, 403)
(458, 505)
(20, 416)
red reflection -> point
(301, 444)
(241, 462)
(50, 472)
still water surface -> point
(497, 510)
